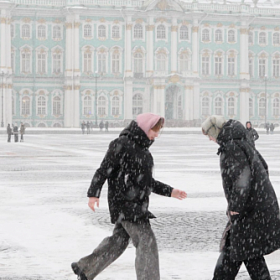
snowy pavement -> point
(46, 223)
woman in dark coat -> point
(128, 168)
(253, 229)
(252, 134)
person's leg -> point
(106, 253)
(257, 269)
(226, 268)
(143, 238)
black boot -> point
(77, 271)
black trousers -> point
(227, 269)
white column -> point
(150, 47)
(128, 69)
(188, 108)
(174, 43)
(159, 98)
(128, 99)
(3, 20)
(244, 62)
(68, 96)
(244, 102)
(195, 50)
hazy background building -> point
(67, 61)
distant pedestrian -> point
(252, 134)
(83, 126)
(253, 228)
(101, 125)
(106, 125)
(128, 166)
(91, 125)
(22, 131)
(266, 126)
(9, 132)
(15, 130)
(271, 127)
(88, 127)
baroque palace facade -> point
(67, 61)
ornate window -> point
(41, 62)
(218, 35)
(56, 105)
(41, 105)
(184, 32)
(87, 105)
(218, 65)
(101, 106)
(262, 67)
(87, 61)
(57, 61)
(218, 106)
(262, 107)
(42, 32)
(101, 31)
(276, 38)
(205, 65)
(115, 106)
(262, 38)
(137, 104)
(138, 63)
(25, 106)
(26, 60)
(205, 106)
(161, 32)
(276, 108)
(231, 105)
(116, 61)
(231, 66)
(25, 31)
(57, 32)
(115, 32)
(231, 36)
(87, 31)
(102, 62)
(183, 62)
(138, 31)
(161, 61)
(276, 66)
(205, 35)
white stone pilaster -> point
(150, 47)
(188, 106)
(244, 61)
(196, 101)
(195, 50)
(244, 102)
(128, 69)
(159, 98)
(128, 100)
(174, 51)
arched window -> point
(262, 67)
(276, 66)
(161, 32)
(184, 32)
(25, 106)
(262, 38)
(41, 31)
(231, 105)
(57, 32)
(231, 65)
(218, 106)
(56, 105)
(26, 61)
(205, 64)
(116, 62)
(251, 110)
(25, 31)
(101, 31)
(115, 106)
(138, 31)
(262, 107)
(231, 36)
(102, 62)
(205, 35)
(115, 32)
(138, 63)
(87, 105)
(218, 65)
(276, 38)
(251, 37)
(42, 62)
(276, 107)
(87, 31)
(41, 125)
(41, 105)
(57, 63)
(161, 59)
(101, 106)
(218, 35)
(137, 104)
(205, 106)
(87, 61)
(183, 62)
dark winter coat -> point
(256, 230)
(252, 135)
(9, 130)
(128, 166)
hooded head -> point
(249, 126)
(147, 121)
(213, 125)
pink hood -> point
(147, 121)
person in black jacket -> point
(9, 132)
(128, 166)
(253, 229)
(252, 134)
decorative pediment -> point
(163, 5)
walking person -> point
(15, 131)
(101, 125)
(271, 128)
(22, 131)
(83, 126)
(9, 132)
(106, 125)
(88, 127)
(128, 166)
(266, 126)
(253, 229)
(252, 134)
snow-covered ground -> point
(46, 223)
